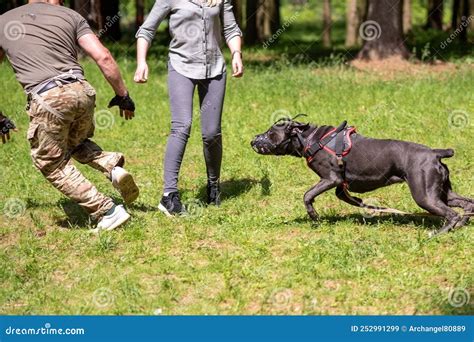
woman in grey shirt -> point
(195, 60)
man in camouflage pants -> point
(40, 40)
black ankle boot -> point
(213, 193)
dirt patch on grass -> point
(395, 67)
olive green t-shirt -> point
(40, 41)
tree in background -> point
(327, 23)
(238, 11)
(251, 34)
(140, 13)
(110, 19)
(263, 20)
(352, 23)
(383, 31)
(102, 15)
(407, 16)
(471, 8)
(89, 9)
(460, 18)
(435, 14)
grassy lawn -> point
(258, 253)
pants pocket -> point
(31, 135)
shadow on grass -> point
(465, 310)
(76, 216)
(428, 223)
(231, 188)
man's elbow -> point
(105, 58)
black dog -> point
(346, 161)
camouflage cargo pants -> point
(61, 123)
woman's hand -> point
(141, 75)
(237, 65)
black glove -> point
(123, 102)
(6, 125)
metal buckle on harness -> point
(340, 160)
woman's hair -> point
(212, 3)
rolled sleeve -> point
(229, 24)
(159, 12)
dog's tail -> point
(444, 153)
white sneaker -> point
(124, 183)
(114, 218)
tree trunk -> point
(263, 20)
(89, 9)
(460, 19)
(435, 14)
(82, 7)
(238, 8)
(464, 20)
(140, 15)
(407, 16)
(455, 14)
(471, 7)
(352, 23)
(383, 31)
(251, 36)
(327, 23)
(275, 16)
(110, 19)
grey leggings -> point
(211, 98)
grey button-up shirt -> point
(196, 31)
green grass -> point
(258, 253)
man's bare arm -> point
(102, 56)
(107, 64)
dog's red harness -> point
(337, 142)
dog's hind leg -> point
(425, 189)
(323, 186)
(458, 201)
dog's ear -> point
(297, 127)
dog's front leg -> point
(323, 186)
